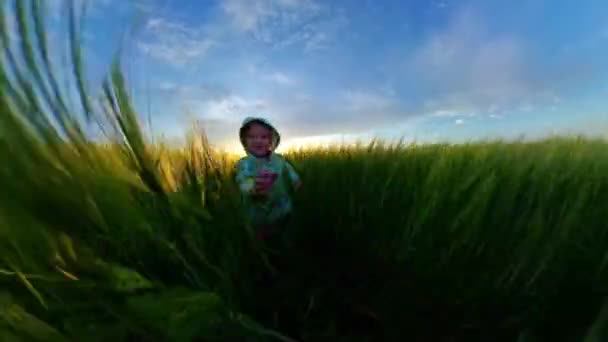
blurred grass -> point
(125, 240)
(90, 230)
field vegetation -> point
(120, 239)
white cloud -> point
(445, 113)
(233, 107)
(439, 4)
(365, 101)
(351, 112)
(527, 107)
(296, 113)
(222, 116)
(254, 15)
(275, 23)
(451, 113)
(321, 141)
(174, 42)
(167, 86)
(148, 6)
(459, 122)
(226, 110)
(283, 23)
(277, 77)
(317, 36)
(280, 78)
(473, 70)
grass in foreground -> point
(125, 241)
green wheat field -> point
(125, 240)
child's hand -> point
(261, 185)
(297, 185)
(264, 181)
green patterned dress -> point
(277, 204)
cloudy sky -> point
(323, 70)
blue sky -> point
(324, 70)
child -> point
(261, 177)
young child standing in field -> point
(263, 177)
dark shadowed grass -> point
(489, 238)
(124, 240)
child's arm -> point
(293, 175)
(245, 178)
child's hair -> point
(246, 127)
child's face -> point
(258, 139)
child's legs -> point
(274, 230)
(275, 239)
